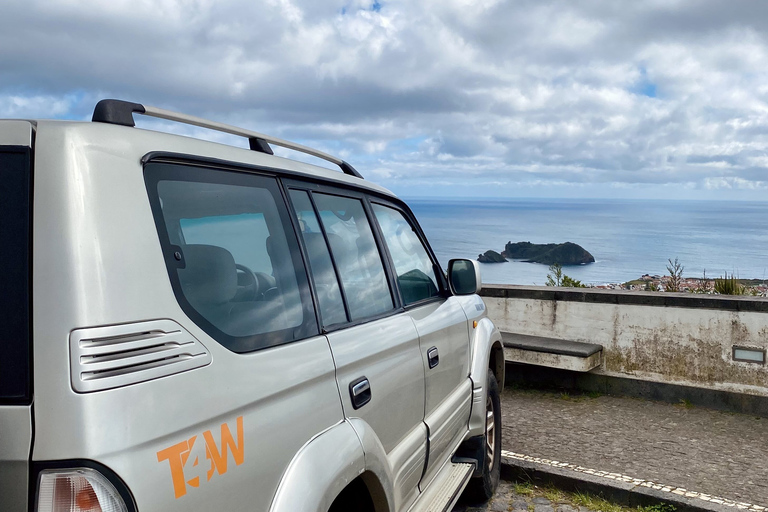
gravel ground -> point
(702, 450)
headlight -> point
(77, 490)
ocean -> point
(628, 238)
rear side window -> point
(232, 256)
(323, 273)
(415, 270)
(356, 255)
(15, 190)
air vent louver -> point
(121, 355)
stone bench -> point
(551, 352)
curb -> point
(621, 489)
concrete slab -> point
(551, 352)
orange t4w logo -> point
(186, 457)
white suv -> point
(193, 326)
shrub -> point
(557, 278)
(675, 270)
(729, 286)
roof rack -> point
(121, 112)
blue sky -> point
(659, 99)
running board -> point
(444, 491)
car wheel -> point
(483, 486)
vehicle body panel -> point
(386, 352)
(442, 325)
(82, 280)
(245, 430)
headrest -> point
(210, 276)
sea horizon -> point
(627, 237)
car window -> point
(356, 255)
(324, 276)
(236, 266)
(415, 272)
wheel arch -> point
(320, 471)
(487, 355)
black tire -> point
(482, 487)
(354, 498)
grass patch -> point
(554, 494)
(684, 402)
(524, 488)
(659, 507)
(596, 503)
(594, 394)
(582, 499)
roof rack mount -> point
(121, 112)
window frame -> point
(16, 385)
(190, 169)
(313, 186)
(405, 211)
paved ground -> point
(701, 450)
(528, 500)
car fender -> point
(485, 342)
(376, 465)
(320, 470)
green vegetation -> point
(583, 499)
(729, 286)
(659, 507)
(557, 278)
(675, 270)
(524, 488)
(686, 403)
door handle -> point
(360, 392)
(433, 357)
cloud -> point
(602, 95)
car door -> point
(443, 333)
(375, 345)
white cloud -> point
(599, 93)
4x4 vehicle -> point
(193, 326)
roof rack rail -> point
(121, 112)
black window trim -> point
(313, 186)
(27, 397)
(225, 340)
(400, 206)
(307, 263)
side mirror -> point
(464, 277)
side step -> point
(444, 491)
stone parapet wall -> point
(677, 338)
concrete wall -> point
(682, 339)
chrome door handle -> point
(360, 392)
(433, 357)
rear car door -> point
(443, 332)
(15, 337)
(375, 345)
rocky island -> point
(566, 253)
(491, 257)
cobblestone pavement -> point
(699, 449)
(506, 499)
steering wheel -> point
(343, 216)
(247, 284)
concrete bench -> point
(551, 352)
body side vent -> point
(121, 355)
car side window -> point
(356, 255)
(234, 260)
(324, 276)
(415, 271)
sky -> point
(654, 99)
